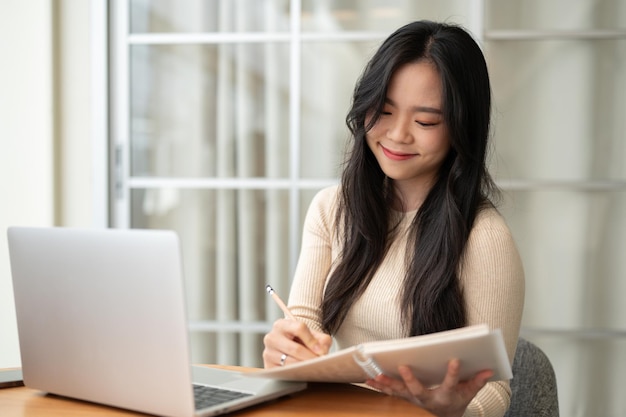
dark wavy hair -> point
(432, 298)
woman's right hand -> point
(294, 339)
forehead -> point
(416, 83)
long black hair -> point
(432, 298)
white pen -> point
(280, 303)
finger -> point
(276, 346)
(481, 379)
(452, 376)
(273, 356)
(282, 359)
(396, 385)
(270, 351)
(323, 340)
(413, 385)
(382, 387)
(280, 341)
(301, 333)
(295, 339)
(397, 388)
(268, 358)
(276, 358)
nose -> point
(399, 130)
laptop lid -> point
(101, 317)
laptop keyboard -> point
(208, 396)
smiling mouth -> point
(397, 156)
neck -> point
(409, 195)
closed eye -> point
(425, 124)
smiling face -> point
(410, 139)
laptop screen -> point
(101, 316)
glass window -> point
(377, 15)
(329, 73)
(555, 15)
(209, 110)
(570, 242)
(558, 109)
(233, 242)
(229, 115)
(188, 16)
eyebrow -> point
(420, 109)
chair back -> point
(533, 387)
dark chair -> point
(533, 387)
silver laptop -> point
(101, 317)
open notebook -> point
(101, 317)
(477, 347)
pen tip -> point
(269, 289)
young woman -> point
(410, 243)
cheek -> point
(371, 142)
(376, 131)
(439, 144)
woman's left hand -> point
(450, 399)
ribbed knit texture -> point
(492, 279)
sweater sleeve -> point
(316, 257)
(492, 279)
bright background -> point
(221, 118)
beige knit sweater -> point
(491, 275)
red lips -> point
(397, 156)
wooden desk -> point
(341, 400)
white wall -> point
(45, 158)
